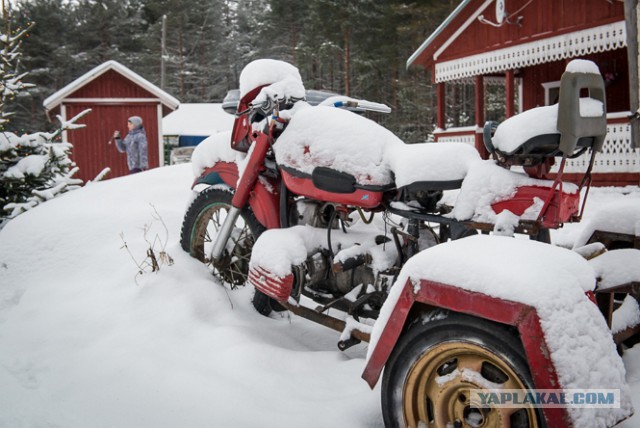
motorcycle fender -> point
(436, 295)
(264, 198)
(220, 173)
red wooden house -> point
(525, 45)
(113, 93)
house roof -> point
(467, 44)
(428, 43)
(56, 99)
(202, 119)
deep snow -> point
(81, 345)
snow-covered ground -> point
(84, 343)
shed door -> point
(91, 149)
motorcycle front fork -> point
(246, 183)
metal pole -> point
(163, 45)
(224, 233)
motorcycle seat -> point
(431, 166)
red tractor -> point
(330, 216)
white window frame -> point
(547, 89)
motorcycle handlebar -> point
(268, 105)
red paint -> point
(510, 93)
(304, 187)
(241, 134)
(519, 315)
(253, 168)
(91, 149)
(441, 93)
(562, 206)
(479, 93)
(270, 284)
(111, 84)
(611, 62)
(228, 172)
(604, 180)
(540, 19)
(264, 203)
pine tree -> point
(33, 167)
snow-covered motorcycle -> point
(332, 217)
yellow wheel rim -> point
(437, 389)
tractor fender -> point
(264, 198)
(442, 296)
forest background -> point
(353, 47)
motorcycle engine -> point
(317, 273)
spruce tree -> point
(33, 167)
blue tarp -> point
(190, 140)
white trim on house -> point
(56, 99)
(617, 154)
(592, 40)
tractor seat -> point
(532, 136)
(545, 145)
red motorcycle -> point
(330, 171)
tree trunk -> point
(347, 61)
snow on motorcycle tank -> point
(336, 155)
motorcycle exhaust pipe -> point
(224, 233)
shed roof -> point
(56, 99)
(202, 119)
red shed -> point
(520, 48)
(113, 93)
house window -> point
(495, 96)
(551, 92)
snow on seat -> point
(620, 217)
(535, 131)
(617, 267)
(436, 166)
(343, 141)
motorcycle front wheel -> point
(200, 227)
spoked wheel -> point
(434, 367)
(200, 227)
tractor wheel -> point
(200, 226)
(432, 369)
